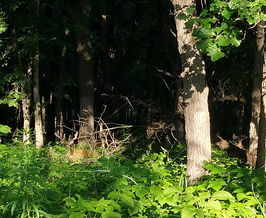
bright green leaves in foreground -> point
(225, 24)
(36, 184)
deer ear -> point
(235, 136)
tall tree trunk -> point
(196, 112)
(254, 129)
(86, 79)
(59, 95)
(107, 55)
(259, 88)
(36, 87)
(25, 91)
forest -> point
(132, 108)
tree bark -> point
(254, 130)
(25, 91)
(257, 142)
(107, 56)
(59, 94)
(36, 87)
(196, 112)
(86, 79)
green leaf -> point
(214, 204)
(76, 215)
(188, 212)
(200, 213)
(111, 215)
(137, 207)
(128, 200)
(142, 191)
(173, 190)
(156, 190)
(263, 16)
(226, 14)
(215, 53)
(4, 129)
(191, 11)
(222, 195)
(70, 202)
(223, 41)
(205, 194)
(204, 12)
(190, 23)
(217, 184)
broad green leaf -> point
(226, 14)
(188, 212)
(133, 210)
(222, 195)
(156, 190)
(200, 213)
(191, 10)
(223, 41)
(187, 196)
(70, 202)
(142, 191)
(263, 16)
(240, 196)
(113, 194)
(204, 194)
(190, 23)
(215, 53)
(128, 200)
(76, 215)
(236, 42)
(4, 129)
(173, 190)
(111, 215)
(217, 184)
(214, 204)
(204, 12)
(3, 147)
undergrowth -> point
(45, 183)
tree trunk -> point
(25, 91)
(36, 87)
(196, 112)
(59, 95)
(86, 79)
(257, 145)
(107, 56)
(256, 96)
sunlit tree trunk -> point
(256, 97)
(25, 91)
(36, 87)
(258, 118)
(196, 112)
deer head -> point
(238, 140)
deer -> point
(76, 153)
(251, 159)
(235, 149)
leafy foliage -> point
(45, 183)
(225, 24)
